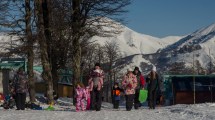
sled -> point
(51, 108)
(143, 95)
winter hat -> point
(116, 83)
(97, 64)
(129, 69)
(154, 68)
(136, 68)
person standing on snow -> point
(154, 84)
(88, 90)
(80, 97)
(20, 88)
(129, 84)
(140, 85)
(116, 95)
(96, 77)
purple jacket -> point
(20, 83)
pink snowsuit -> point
(88, 97)
(80, 98)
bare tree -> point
(41, 12)
(3, 9)
(89, 17)
(30, 52)
(112, 54)
(89, 56)
(76, 21)
(17, 18)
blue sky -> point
(162, 18)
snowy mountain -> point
(134, 45)
(195, 49)
(141, 50)
(195, 39)
(144, 50)
(131, 42)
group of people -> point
(132, 83)
(92, 93)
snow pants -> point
(129, 101)
(20, 101)
(80, 104)
(152, 98)
(96, 99)
(116, 104)
(88, 104)
(136, 99)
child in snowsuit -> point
(80, 97)
(88, 89)
(116, 95)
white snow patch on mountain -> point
(131, 42)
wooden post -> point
(194, 82)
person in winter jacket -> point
(129, 84)
(96, 77)
(88, 90)
(80, 97)
(116, 95)
(140, 85)
(20, 88)
(154, 84)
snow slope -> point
(131, 42)
(177, 112)
(170, 40)
(197, 46)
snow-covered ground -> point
(177, 112)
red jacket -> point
(142, 81)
